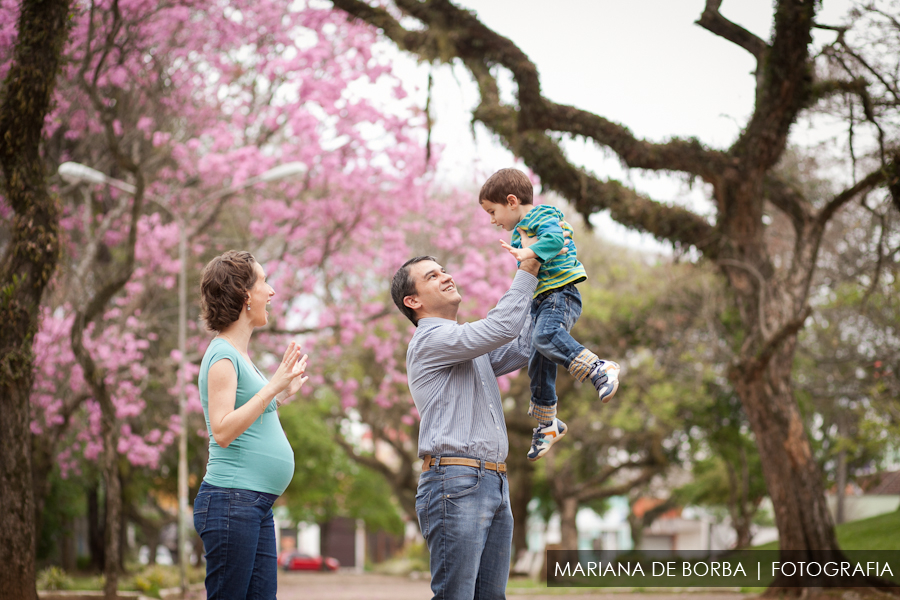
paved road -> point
(350, 586)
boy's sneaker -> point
(544, 437)
(605, 377)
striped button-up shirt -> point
(452, 370)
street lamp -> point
(74, 173)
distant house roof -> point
(643, 504)
(883, 484)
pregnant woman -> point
(251, 462)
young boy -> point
(507, 197)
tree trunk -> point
(28, 265)
(113, 501)
(841, 475)
(67, 558)
(41, 465)
(520, 496)
(17, 553)
(324, 532)
(792, 476)
(740, 508)
(636, 527)
(741, 524)
(95, 529)
(520, 487)
(96, 380)
(568, 510)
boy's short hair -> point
(402, 285)
(505, 182)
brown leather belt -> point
(428, 462)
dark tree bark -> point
(770, 299)
(96, 528)
(741, 506)
(28, 265)
(519, 427)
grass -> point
(148, 580)
(874, 533)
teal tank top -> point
(260, 459)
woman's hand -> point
(296, 383)
(226, 421)
(291, 368)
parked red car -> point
(297, 561)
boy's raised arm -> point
(550, 240)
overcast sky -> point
(642, 63)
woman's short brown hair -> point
(224, 285)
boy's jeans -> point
(467, 523)
(238, 532)
(553, 315)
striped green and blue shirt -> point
(548, 224)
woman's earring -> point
(248, 306)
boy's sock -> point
(581, 365)
(541, 413)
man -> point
(462, 500)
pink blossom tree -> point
(181, 101)
(332, 278)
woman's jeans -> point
(465, 517)
(553, 315)
(238, 532)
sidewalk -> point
(368, 586)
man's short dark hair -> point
(505, 182)
(402, 285)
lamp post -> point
(73, 172)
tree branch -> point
(869, 182)
(646, 474)
(475, 44)
(524, 131)
(413, 41)
(783, 83)
(586, 192)
(681, 155)
(790, 201)
(762, 289)
(713, 21)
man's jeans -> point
(238, 532)
(465, 517)
(553, 315)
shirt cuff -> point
(524, 282)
